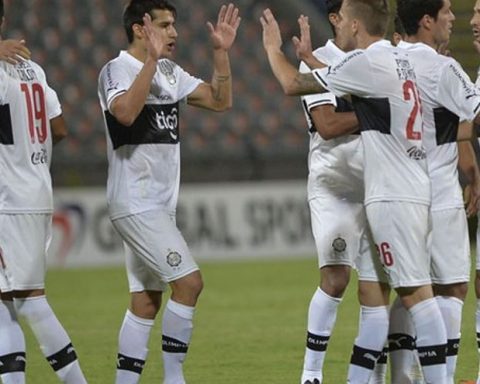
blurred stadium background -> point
(262, 139)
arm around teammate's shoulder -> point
(330, 124)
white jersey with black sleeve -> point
(381, 81)
(448, 97)
(27, 104)
(336, 165)
(144, 159)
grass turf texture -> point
(249, 326)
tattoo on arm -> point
(305, 83)
(219, 83)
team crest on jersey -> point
(167, 69)
(174, 259)
(339, 245)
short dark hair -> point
(374, 14)
(398, 26)
(333, 6)
(411, 12)
(2, 10)
(136, 9)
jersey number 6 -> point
(37, 120)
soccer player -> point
(140, 93)
(31, 119)
(448, 97)
(335, 194)
(475, 23)
(381, 82)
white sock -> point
(322, 314)
(451, 309)
(477, 322)
(132, 348)
(372, 335)
(176, 334)
(12, 346)
(431, 340)
(401, 343)
(52, 338)
(379, 374)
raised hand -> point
(303, 45)
(13, 51)
(154, 41)
(224, 32)
(272, 38)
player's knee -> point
(187, 289)
(334, 287)
(458, 291)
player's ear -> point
(426, 22)
(138, 31)
(333, 18)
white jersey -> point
(144, 159)
(27, 104)
(336, 165)
(448, 96)
(381, 81)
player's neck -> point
(421, 38)
(365, 40)
(138, 52)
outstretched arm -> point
(292, 82)
(13, 51)
(217, 95)
(303, 45)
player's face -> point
(343, 27)
(444, 23)
(475, 21)
(164, 21)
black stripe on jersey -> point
(6, 133)
(156, 124)
(372, 114)
(343, 105)
(446, 126)
(475, 111)
(320, 80)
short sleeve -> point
(352, 75)
(457, 93)
(54, 109)
(318, 99)
(114, 81)
(187, 83)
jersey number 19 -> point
(37, 119)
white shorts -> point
(368, 265)
(450, 247)
(24, 240)
(400, 231)
(337, 227)
(156, 252)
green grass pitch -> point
(249, 325)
